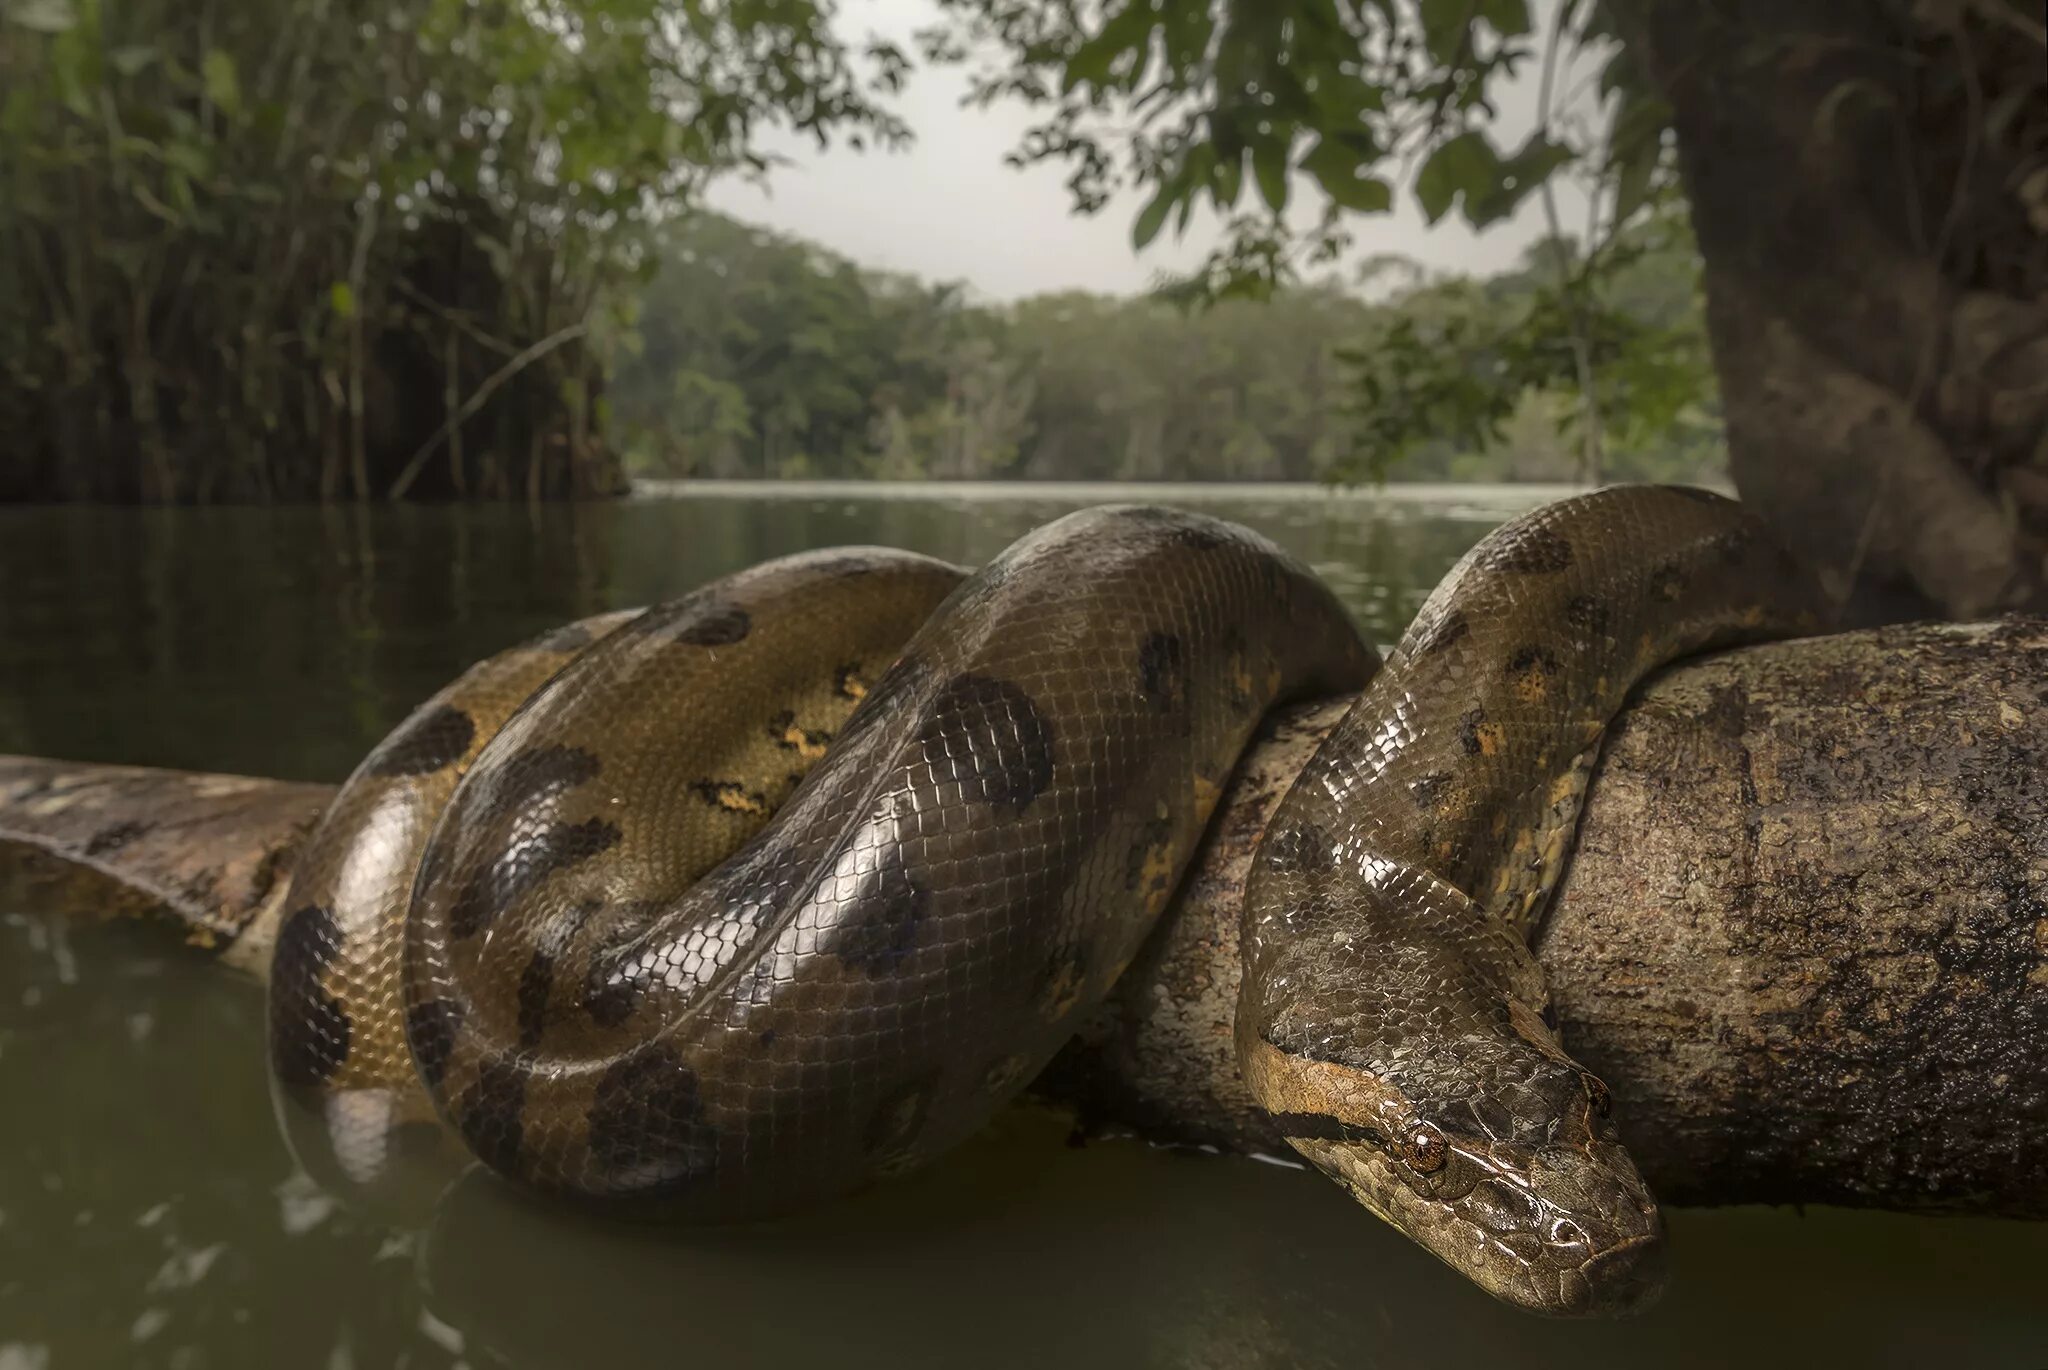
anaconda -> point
(788, 884)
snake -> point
(722, 908)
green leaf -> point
(1152, 217)
(1466, 165)
(1508, 18)
(1269, 165)
(1226, 182)
(1338, 168)
(1514, 178)
(1636, 146)
(223, 88)
(1130, 27)
(1444, 25)
(343, 297)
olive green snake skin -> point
(738, 903)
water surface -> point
(149, 1215)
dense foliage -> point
(337, 246)
(760, 355)
(330, 247)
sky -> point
(948, 209)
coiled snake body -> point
(733, 904)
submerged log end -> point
(213, 850)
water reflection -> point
(286, 642)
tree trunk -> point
(1869, 189)
(1804, 936)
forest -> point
(388, 250)
(756, 355)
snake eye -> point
(1424, 1149)
(1596, 1093)
(1565, 1232)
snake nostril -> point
(1565, 1232)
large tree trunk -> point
(1804, 935)
(1869, 189)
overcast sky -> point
(948, 209)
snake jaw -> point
(1505, 1223)
(1544, 1212)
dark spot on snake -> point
(647, 1128)
(767, 1037)
(535, 984)
(904, 676)
(1445, 632)
(612, 990)
(893, 1127)
(524, 778)
(1303, 848)
(1153, 836)
(115, 836)
(1060, 983)
(523, 866)
(489, 1114)
(730, 795)
(1429, 790)
(785, 733)
(882, 926)
(1667, 582)
(309, 1029)
(989, 738)
(430, 1028)
(1163, 671)
(1587, 613)
(1532, 551)
(1469, 734)
(1532, 660)
(846, 681)
(717, 626)
(1238, 671)
(1597, 1094)
(431, 738)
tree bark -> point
(1869, 189)
(1804, 936)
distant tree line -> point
(390, 249)
(754, 354)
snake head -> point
(1521, 1185)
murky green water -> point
(149, 1215)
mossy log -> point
(1804, 933)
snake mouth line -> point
(1624, 1279)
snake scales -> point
(731, 905)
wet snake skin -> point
(729, 906)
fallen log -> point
(1804, 935)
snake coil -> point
(726, 906)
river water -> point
(150, 1215)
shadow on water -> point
(150, 1215)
